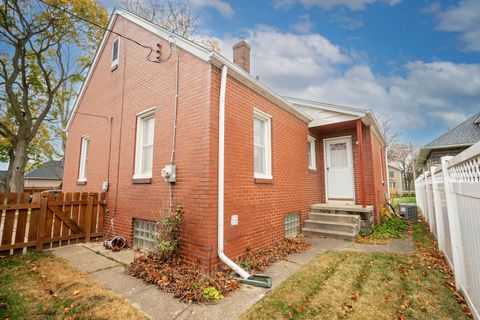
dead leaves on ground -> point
(260, 260)
(187, 282)
(430, 257)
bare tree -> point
(39, 40)
(174, 15)
(405, 155)
(389, 131)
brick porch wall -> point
(370, 161)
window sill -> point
(81, 182)
(141, 180)
(312, 169)
(114, 67)
(263, 181)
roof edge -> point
(187, 45)
(326, 106)
(218, 60)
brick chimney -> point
(241, 55)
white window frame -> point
(144, 115)
(115, 61)
(83, 166)
(262, 116)
(312, 160)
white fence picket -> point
(449, 197)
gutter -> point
(221, 178)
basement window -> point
(143, 234)
(292, 224)
(115, 53)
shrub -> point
(408, 194)
(391, 227)
(211, 293)
(168, 232)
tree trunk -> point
(6, 181)
(19, 161)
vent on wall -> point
(292, 224)
(143, 234)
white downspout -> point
(221, 177)
(387, 173)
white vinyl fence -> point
(449, 196)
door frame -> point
(348, 138)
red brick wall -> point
(138, 85)
(261, 208)
(148, 85)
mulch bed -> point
(188, 282)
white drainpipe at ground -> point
(221, 177)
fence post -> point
(88, 217)
(41, 221)
(428, 204)
(425, 198)
(454, 223)
(437, 204)
(417, 191)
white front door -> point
(339, 170)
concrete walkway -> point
(108, 268)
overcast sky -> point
(417, 60)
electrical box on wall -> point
(234, 220)
(169, 173)
(105, 186)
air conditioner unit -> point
(408, 211)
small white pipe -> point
(221, 177)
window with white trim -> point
(82, 172)
(312, 162)
(115, 52)
(262, 145)
(144, 145)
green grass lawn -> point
(396, 201)
(340, 285)
(41, 286)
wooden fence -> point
(48, 220)
(449, 196)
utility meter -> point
(105, 186)
(168, 172)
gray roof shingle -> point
(51, 170)
(467, 132)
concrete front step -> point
(334, 226)
(323, 207)
(334, 217)
(330, 233)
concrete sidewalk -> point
(108, 268)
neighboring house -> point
(248, 162)
(450, 143)
(45, 177)
(395, 178)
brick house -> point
(250, 165)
